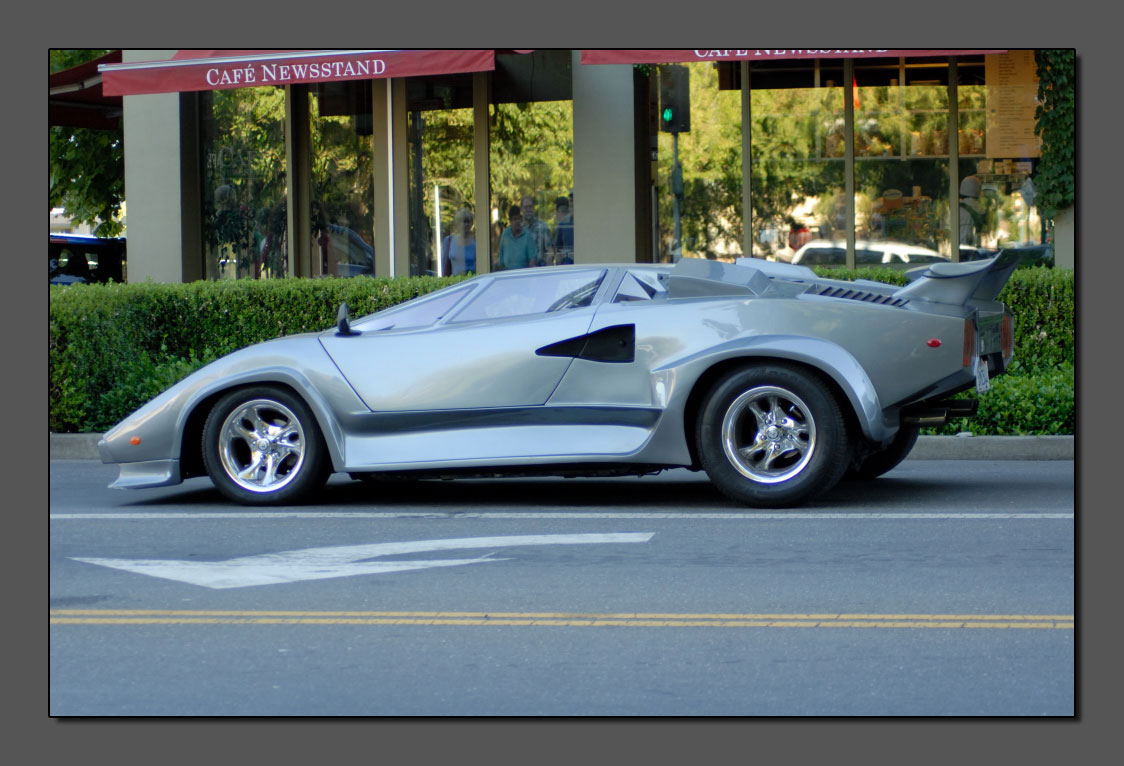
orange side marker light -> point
(134, 441)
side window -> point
(639, 286)
(533, 294)
(73, 263)
(421, 312)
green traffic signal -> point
(667, 114)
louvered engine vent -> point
(851, 294)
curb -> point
(85, 447)
(75, 446)
(993, 448)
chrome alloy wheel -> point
(768, 434)
(262, 445)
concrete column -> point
(381, 155)
(605, 204)
(154, 182)
(1064, 252)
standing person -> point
(562, 241)
(458, 251)
(517, 247)
(973, 217)
(539, 231)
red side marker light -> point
(933, 342)
(134, 441)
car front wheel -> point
(772, 436)
(261, 446)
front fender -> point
(298, 362)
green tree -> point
(86, 166)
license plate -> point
(983, 382)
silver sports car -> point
(774, 381)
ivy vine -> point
(1054, 115)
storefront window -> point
(243, 148)
(901, 163)
(532, 160)
(342, 177)
(996, 171)
(797, 173)
(708, 210)
(441, 176)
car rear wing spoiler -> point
(958, 283)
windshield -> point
(419, 312)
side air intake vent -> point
(851, 294)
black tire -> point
(772, 436)
(877, 463)
(262, 446)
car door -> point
(482, 355)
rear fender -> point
(829, 359)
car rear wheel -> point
(877, 463)
(772, 436)
(261, 446)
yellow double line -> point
(561, 619)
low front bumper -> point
(149, 473)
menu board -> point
(1012, 90)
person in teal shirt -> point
(517, 246)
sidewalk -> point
(85, 447)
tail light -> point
(1007, 336)
(969, 342)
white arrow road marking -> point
(339, 561)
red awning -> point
(682, 55)
(75, 98)
(191, 70)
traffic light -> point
(675, 99)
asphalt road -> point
(943, 588)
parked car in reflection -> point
(887, 253)
(1030, 255)
(352, 256)
(77, 259)
(773, 381)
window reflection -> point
(532, 160)
(997, 193)
(441, 181)
(244, 212)
(710, 159)
(901, 163)
(341, 183)
(797, 170)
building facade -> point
(260, 164)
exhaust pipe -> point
(938, 413)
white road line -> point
(655, 516)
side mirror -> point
(343, 322)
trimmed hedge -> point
(114, 347)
